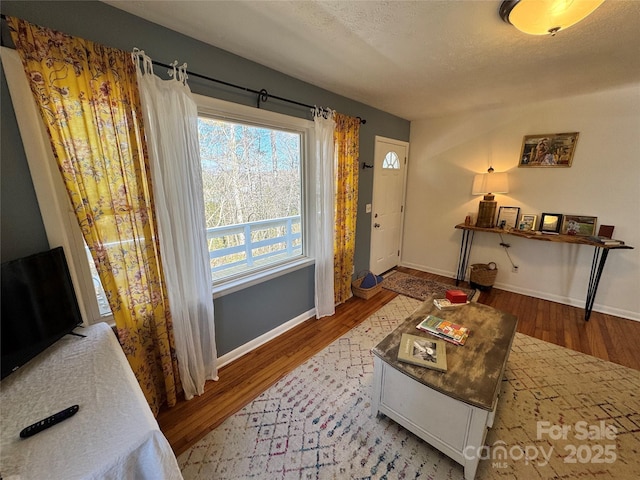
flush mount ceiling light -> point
(543, 17)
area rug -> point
(421, 288)
(562, 414)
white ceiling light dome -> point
(544, 17)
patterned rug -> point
(562, 414)
(421, 288)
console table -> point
(597, 264)
(449, 410)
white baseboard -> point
(574, 302)
(264, 338)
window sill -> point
(227, 287)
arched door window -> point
(391, 161)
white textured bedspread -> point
(113, 435)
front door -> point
(389, 174)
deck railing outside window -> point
(238, 248)
(241, 247)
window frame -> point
(234, 112)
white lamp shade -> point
(484, 183)
(542, 17)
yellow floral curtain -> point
(88, 97)
(347, 142)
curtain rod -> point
(263, 95)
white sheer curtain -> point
(171, 128)
(325, 215)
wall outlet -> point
(514, 269)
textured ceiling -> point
(415, 59)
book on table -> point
(605, 240)
(425, 352)
(444, 329)
(444, 304)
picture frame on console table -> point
(606, 231)
(548, 150)
(580, 225)
(551, 223)
(527, 222)
(508, 215)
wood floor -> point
(604, 336)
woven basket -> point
(483, 275)
(365, 293)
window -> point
(101, 297)
(391, 161)
(254, 184)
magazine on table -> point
(444, 329)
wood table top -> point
(474, 370)
(545, 237)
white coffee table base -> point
(455, 428)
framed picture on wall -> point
(550, 223)
(579, 225)
(548, 150)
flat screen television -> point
(39, 306)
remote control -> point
(49, 421)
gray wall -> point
(21, 228)
(243, 315)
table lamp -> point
(487, 184)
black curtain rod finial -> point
(263, 96)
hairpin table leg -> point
(597, 265)
(465, 251)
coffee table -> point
(450, 410)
